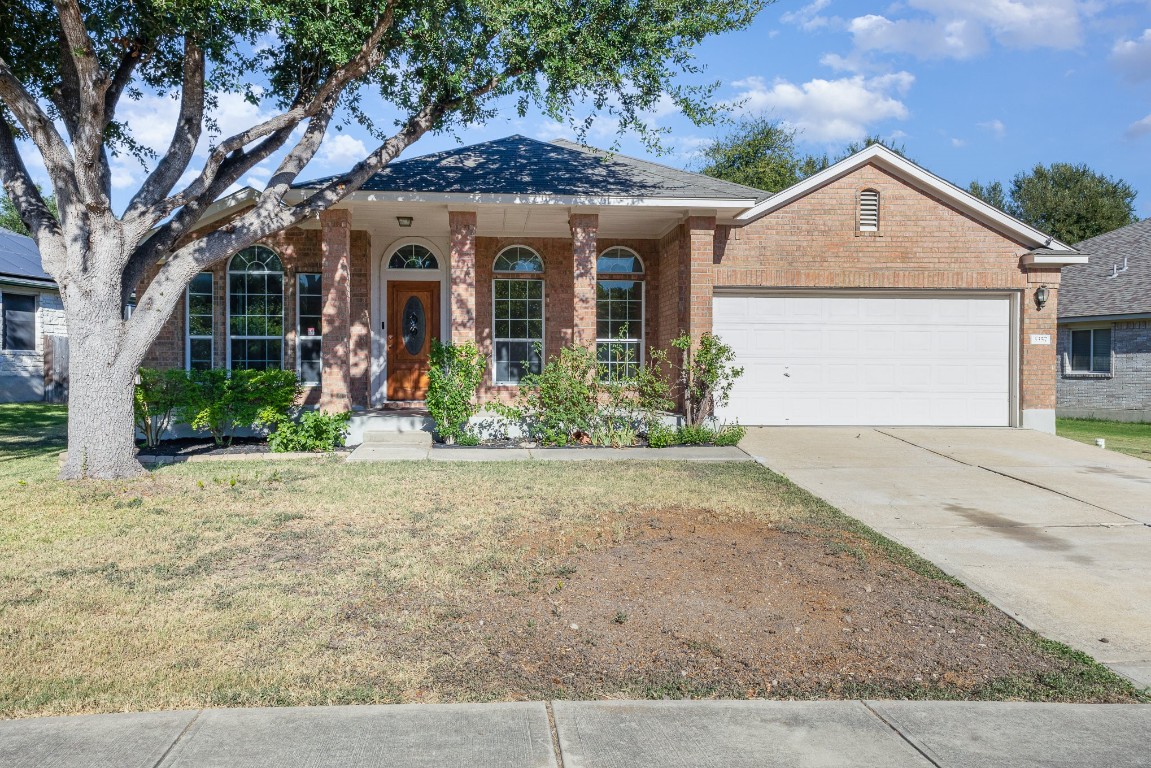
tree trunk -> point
(102, 377)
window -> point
(413, 256)
(518, 259)
(256, 309)
(309, 327)
(19, 322)
(200, 304)
(619, 312)
(869, 211)
(1091, 351)
(518, 312)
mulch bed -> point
(198, 446)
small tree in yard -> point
(706, 376)
(66, 67)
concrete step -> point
(381, 437)
(387, 423)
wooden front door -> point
(413, 321)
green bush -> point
(730, 434)
(158, 396)
(222, 401)
(706, 375)
(455, 375)
(659, 435)
(314, 432)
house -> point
(1105, 329)
(31, 315)
(871, 293)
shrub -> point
(659, 435)
(730, 434)
(222, 401)
(158, 396)
(314, 432)
(706, 375)
(694, 434)
(455, 375)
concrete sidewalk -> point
(635, 734)
(411, 452)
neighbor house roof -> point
(519, 166)
(19, 258)
(1118, 279)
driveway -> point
(1054, 532)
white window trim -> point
(413, 270)
(228, 337)
(188, 324)
(641, 279)
(36, 330)
(1070, 355)
(505, 249)
(642, 264)
(538, 278)
(300, 336)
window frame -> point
(229, 337)
(35, 296)
(1091, 330)
(300, 336)
(635, 277)
(496, 339)
(435, 259)
(188, 337)
(532, 251)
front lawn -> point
(1132, 439)
(321, 582)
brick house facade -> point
(696, 239)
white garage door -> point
(868, 360)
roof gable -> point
(519, 166)
(1118, 279)
(918, 177)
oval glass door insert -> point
(415, 325)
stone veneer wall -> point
(1123, 394)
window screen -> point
(19, 321)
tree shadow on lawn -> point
(32, 430)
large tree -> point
(1068, 202)
(67, 66)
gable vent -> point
(869, 211)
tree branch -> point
(30, 203)
(184, 139)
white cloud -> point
(995, 127)
(960, 29)
(1133, 57)
(829, 110)
(808, 17)
(151, 120)
(1139, 128)
(958, 143)
(340, 149)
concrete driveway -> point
(1054, 532)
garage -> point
(857, 359)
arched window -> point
(869, 211)
(518, 259)
(413, 256)
(256, 309)
(619, 312)
(517, 315)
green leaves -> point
(455, 374)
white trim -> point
(228, 305)
(1051, 260)
(300, 337)
(381, 276)
(909, 171)
(37, 333)
(535, 277)
(188, 322)
(1069, 355)
(473, 199)
(505, 249)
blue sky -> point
(975, 89)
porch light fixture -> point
(1041, 296)
(404, 221)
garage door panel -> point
(868, 360)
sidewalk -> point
(609, 734)
(400, 452)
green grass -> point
(1131, 439)
(320, 582)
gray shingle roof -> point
(1089, 290)
(517, 165)
(19, 257)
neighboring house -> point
(1105, 328)
(30, 310)
(871, 293)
